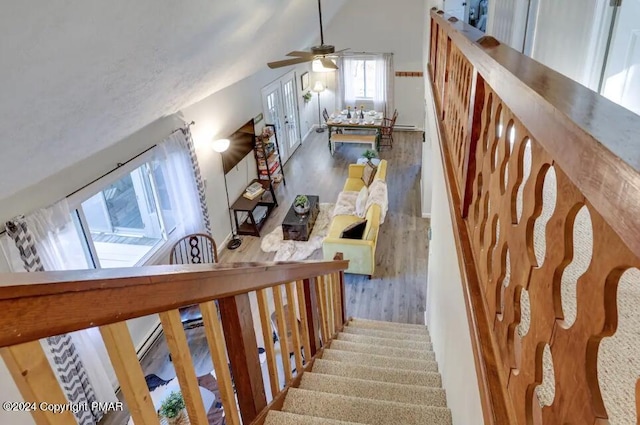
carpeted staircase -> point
(373, 373)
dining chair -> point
(386, 131)
(197, 248)
(325, 115)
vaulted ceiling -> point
(79, 76)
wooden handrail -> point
(74, 300)
(593, 139)
(495, 105)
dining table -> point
(372, 121)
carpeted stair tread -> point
(382, 350)
(379, 361)
(362, 410)
(398, 376)
(411, 394)
(420, 337)
(372, 340)
(276, 417)
(393, 326)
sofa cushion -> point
(369, 173)
(353, 185)
(381, 173)
(354, 230)
(338, 224)
(361, 201)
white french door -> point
(280, 106)
(621, 81)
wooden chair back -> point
(325, 115)
(197, 248)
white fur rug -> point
(299, 250)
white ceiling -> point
(79, 76)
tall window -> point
(363, 74)
(127, 220)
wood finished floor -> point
(397, 291)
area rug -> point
(299, 250)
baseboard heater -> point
(405, 127)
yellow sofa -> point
(361, 253)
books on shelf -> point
(254, 187)
(253, 195)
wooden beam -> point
(281, 320)
(295, 329)
(124, 359)
(183, 364)
(35, 380)
(302, 306)
(242, 349)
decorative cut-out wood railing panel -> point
(517, 196)
(301, 303)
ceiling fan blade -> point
(287, 62)
(328, 63)
(300, 54)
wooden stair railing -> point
(495, 106)
(38, 305)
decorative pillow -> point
(354, 231)
(369, 173)
(361, 201)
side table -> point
(251, 226)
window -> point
(364, 78)
(128, 219)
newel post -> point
(313, 320)
(343, 303)
(240, 338)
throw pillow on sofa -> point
(369, 173)
(354, 230)
(361, 201)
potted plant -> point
(369, 155)
(307, 97)
(172, 408)
(301, 204)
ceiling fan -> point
(321, 52)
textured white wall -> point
(387, 27)
(446, 311)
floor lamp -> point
(220, 146)
(319, 88)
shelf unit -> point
(267, 152)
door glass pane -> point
(122, 220)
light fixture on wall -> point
(316, 66)
(220, 146)
(319, 88)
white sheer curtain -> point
(60, 248)
(385, 77)
(173, 153)
(347, 89)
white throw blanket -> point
(346, 204)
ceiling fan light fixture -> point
(316, 66)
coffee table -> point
(297, 227)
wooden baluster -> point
(337, 301)
(215, 340)
(183, 364)
(328, 279)
(311, 303)
(321, 295)
(302, 307)
(267, 334)
(240, 338)
(293, 320)
(33, 376)
(124, 359)
(343, 299)
(282, 333)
